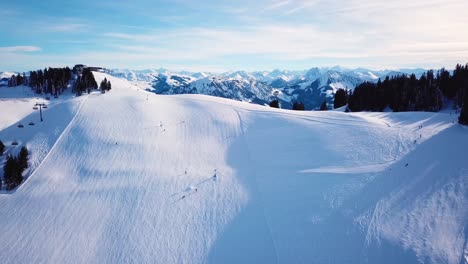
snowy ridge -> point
(7, 74)
(138, 183)
(4, 77)
(311, 87)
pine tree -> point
(298, 106)
(104, 86)
(12, 173)
(2, 148)
(23, 158)
(12, 82)
(274, 103)
(14, 167)
(79, 87)
(463, 118)
(323, 106)
(19, 80)
(341, 98)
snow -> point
(7, 74)
(372, 75)
(18, 101)
(40, 137)
(119, 178)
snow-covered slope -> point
(130, 178)
(311, 87)
(17, 103)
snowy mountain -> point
(311, 87)
(135, 177)
(4, 77)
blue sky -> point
(231, 35)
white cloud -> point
(15, 49)
(301, 6)
(278, 4)
(65, 27)
(392, 42)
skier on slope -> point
(215, 177)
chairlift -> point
(47, 98)
(14, 143)
(35, 108)
(20, 125)
(44, 106)
(31, 123)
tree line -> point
(55, 80)
(408, 93)
(50, 80)
(298, 106)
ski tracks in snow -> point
(255, 182)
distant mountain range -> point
(310, 87)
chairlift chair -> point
(20, 125)
(35, 108)
(31, 123)
(14, 143)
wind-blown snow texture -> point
(311, 87)
(130, 178)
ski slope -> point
(128, 177)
